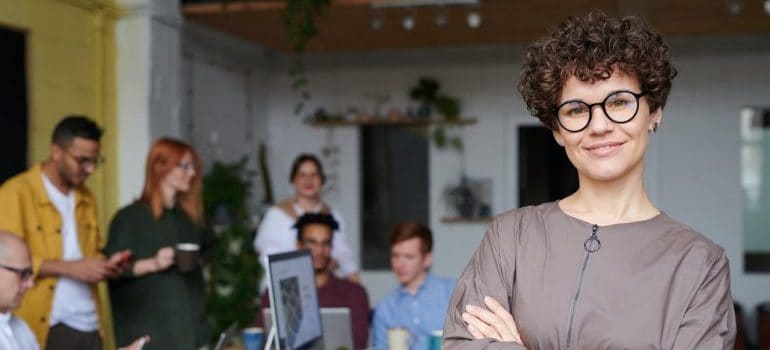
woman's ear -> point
(655, 119)
(557, 136)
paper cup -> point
(252, 338)
(435, 340)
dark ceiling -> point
(347, 25)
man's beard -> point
(323, 269)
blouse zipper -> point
(590, 245)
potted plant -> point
(426, 92)
(233, 270)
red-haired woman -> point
(153, 296)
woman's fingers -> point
(481, 327)
(475, 332)
(512, 333)
(492, 320)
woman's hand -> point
(137, 344)
(492, 322)
(164, 258)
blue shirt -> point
(421, 313)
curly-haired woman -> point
(602, 268)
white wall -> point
(225, 97)
(150, 92)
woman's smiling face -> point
(605, 150)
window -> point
(394, 173)
(545, 173)
(755, 183)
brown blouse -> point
(652, 284)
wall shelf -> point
(401, 122)
(466, 219)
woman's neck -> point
(307, 203)
(169, 196)
(610, 202)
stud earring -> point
(655, 127)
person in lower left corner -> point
(16, 278)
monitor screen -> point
(293, 299)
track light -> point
(377, 21)
(408, 22)
(441, 19)
(474, 19)
(735, 7)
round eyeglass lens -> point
(574, 115)
(621, 106)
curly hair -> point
(590, 48)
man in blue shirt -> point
(420, 302)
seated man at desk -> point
(420, 302)
(314, 232)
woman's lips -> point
(603, 149)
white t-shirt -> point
(73, 302)
(15, 334)
(276, 235)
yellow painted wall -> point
(70, 70)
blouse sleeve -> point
(268, 240)
(341, 251)
(709, 322)
(120, 238)
(489, 273)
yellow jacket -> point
(25, 210)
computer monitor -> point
(294, 300)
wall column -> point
(150, 94)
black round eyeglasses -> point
(619, 106)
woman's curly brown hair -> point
(590, 48)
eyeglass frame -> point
(591, 106)
(187, 166)
(24, 273)
(84, 161)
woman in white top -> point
(275, 233)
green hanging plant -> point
(299, 20)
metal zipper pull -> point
(592, 244)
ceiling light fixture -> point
(767, 7)
(442, 19)
(413, 3)
(474, 19)
(377, 21)
(735, 7)
(408, 22)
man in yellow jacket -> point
(50, 208)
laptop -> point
(227, 336)
(336, 324)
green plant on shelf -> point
(428, 93)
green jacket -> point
(168, 305)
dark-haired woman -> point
(276, 233)
(154, 296)
(602, 268)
